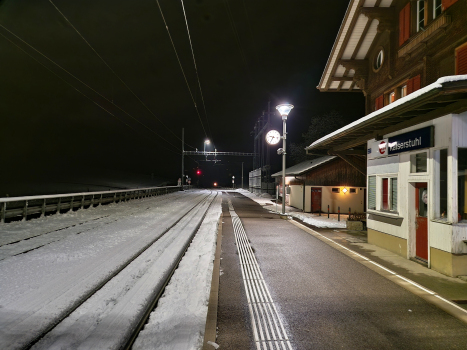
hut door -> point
(315, 199)
(421, 220)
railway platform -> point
(289, 285)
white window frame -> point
(440, 6)
(390, 196)
(403, 90)
(418, 15)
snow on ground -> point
(312, 219)
(178, 321)
(72, 254)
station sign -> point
(409, 141)
(377, 149)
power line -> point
(181, 67)
(237, 36)
(196, 68)
(105, 98)
(113, 72)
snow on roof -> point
(302, 167)
(436, 85)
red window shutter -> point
(407, 22)
(410, 86)
(447, 3)
(461, 60)
(416, 83)
(385, 194)
(401, 26)
(404, 24)
(413, 84)
(379, 103)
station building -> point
(409, 59)
(322, 183)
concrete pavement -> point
(328, 299)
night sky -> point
(79, 128)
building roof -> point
(305, 166)
(358, 30)
(446, 95)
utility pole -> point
(183, 156)
(242, 175)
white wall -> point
(450, 132)
(334, 200)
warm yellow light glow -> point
(215, 184)
(207, 142)
(345, 190)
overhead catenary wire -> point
(113, 71)
(196, 68)
(79, 91)
(76, 78)
(237, 36)
(181, 67)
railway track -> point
(111, 313)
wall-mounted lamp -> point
(345, 190)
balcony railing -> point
(421, 37)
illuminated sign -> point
(413, 140)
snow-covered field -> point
(52, 265)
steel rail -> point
(114, 273)
(153, 304)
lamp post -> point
(284, 110)
(206, 142)
(233, 181)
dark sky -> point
(54, 138)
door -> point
(315, 199)
(421, 220)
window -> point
(335, 190)
(441, 207)
(437, 8)
(404, 91)
(394, 194)
(404, 24)
(462, 183)
(353, 190)
(392, 97)
(418, 163)
(379, 60)
(389, 194)
(420, 15)
(372, 192)
(461, 59)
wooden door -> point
(421, 220)
(315, 199)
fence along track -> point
(268, 330)
(23, 207)
(91, 292)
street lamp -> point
(206, 142)
(233, 181)
(284, 110)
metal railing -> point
(22, 207)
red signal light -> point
(198, 172)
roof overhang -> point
(347, 62)
(447, 95)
